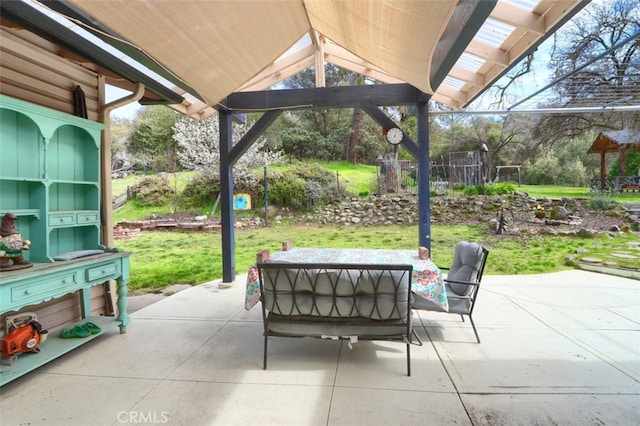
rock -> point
(571, 260)
(586, 233)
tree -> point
(151, 140)
(120, 131)
(605, 30)
(200, 148)
(328, 134)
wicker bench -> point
(336, 301)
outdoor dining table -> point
(426, 279)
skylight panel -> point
(470, 62)
(525, 4)
(304, 42)
(454, 82)
(493, 32)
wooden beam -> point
(282, 68)
(323, 97)
(387, 123)
(347, 60)
(519, 17)
(465, 22)
(489, 53)
(254, 133)
(320, 77)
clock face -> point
(394, 136)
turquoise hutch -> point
(50, 179)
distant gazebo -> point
(620, 141)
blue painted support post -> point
(424, 202)
(226, 206)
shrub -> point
(312, 194)
(200, 191)
(599, 200)
(473, 190)
(504, 187)
(312, 172)
(334, 193)
(493, 189)
(288, 191)
(153, 191)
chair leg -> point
(409, 359)
(264, 362)
(462, 316)
(413, 331)
(474, 328)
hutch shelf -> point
(50, 179)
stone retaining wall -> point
(518, 208)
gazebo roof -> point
(616, 140)
(194, 53)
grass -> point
(359, 180)
(161, 259)
(118, 186)
(556, 192)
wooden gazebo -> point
(620, 141)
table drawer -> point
(87, 218)
(106, 270)
(62, 219)
(43, 289)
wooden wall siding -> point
(52, 315)
(62, 312)
(33, 74)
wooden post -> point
(423, 253)
(262, 256)
(603, 171)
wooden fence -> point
(120, 199)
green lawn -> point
(359, 180)
(161, 259)
(553, 191)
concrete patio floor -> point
(557, 349)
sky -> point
(128, 111)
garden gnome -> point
(12, 244)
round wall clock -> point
(394, 136)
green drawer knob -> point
(27, 292)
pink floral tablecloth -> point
(426, 280)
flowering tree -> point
(199, 149)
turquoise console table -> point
(46, 281)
